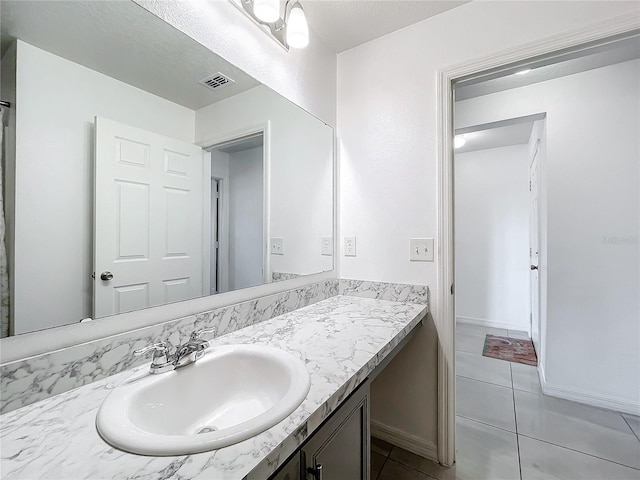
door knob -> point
(106, 276)
(534, 267)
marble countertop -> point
(341, 340)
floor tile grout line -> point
(629, 425)
(528, 391)
(578, 451)
(514, 389)
(483, 381)
(382, 467)
(388, 453)
(515, 421)
(563, 446)
(493, 358)
(485, 423)
(411, 468)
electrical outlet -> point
(421, 249)
(349, 246)
(326, 246)
(277, 246)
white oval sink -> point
(235, 392)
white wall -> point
(492, 236)
(592, 180)
(300, 174)
(388, 147)
(306, 77)
(246, 212)
(54, 178)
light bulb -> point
(297, 28)
(267, 10)
(459, 141)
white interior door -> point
(534, 246)
(149, 209)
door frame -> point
(210, 143)
(503, 61)
(215, 237)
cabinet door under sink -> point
(291, 470)
(341, 446)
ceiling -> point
(344, 24)
(124, 41)
(598, 57)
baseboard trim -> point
(483, 322)
(541, 375)
(411, 443)
(602, 401)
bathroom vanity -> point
(339, 448)
(344, 341)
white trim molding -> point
(410, 443)
(602, 401)
(444, 314)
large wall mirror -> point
(140, 168)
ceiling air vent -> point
(216, 81)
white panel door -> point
(534, 247)
(149, 209)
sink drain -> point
(206, 430)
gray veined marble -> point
(279, 276)
(397, 292)
(341, 340)
(33, 379)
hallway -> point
(506, 428)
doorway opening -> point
(238, 225)
(567, 171)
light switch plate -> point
(326, 246)
(277, 246)
(349, 246)
(421, 249)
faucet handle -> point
(162, 359)
(196, 334)
(160, 352)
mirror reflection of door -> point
(148, 220)
(237, 217)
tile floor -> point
(506, 429)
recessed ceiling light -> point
(459, 141)
(523, 72)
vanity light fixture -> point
(267, 11)
(292, 31)
(523, 72)
(297, 28)
(459, 141)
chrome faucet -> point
(165, 361)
